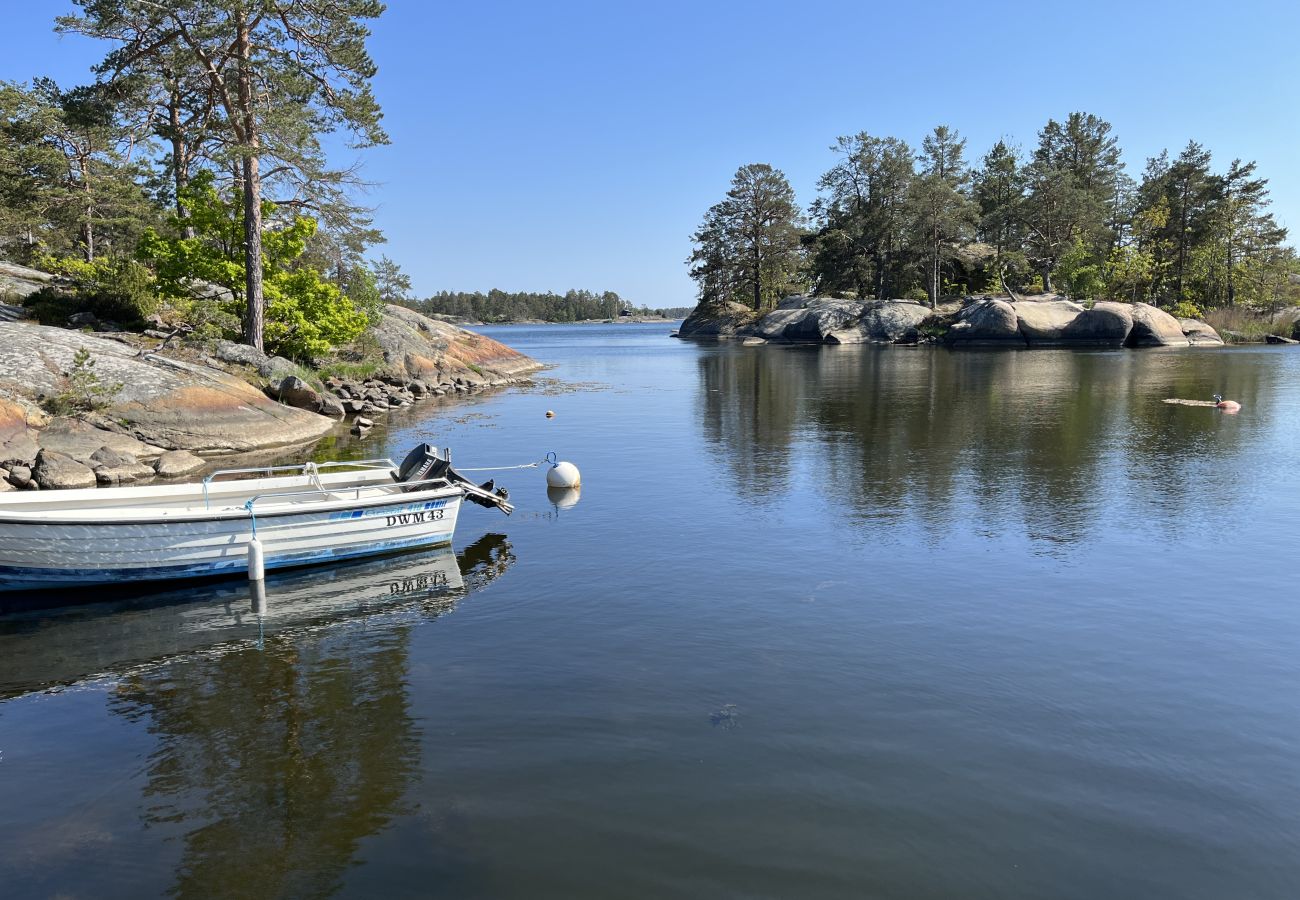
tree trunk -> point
(1047, 279)
(87, 223)
(255, 302)
(255, 311)
(758, 282)
(934, 271)
(180, 162)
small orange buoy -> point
(550, 414)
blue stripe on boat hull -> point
(19, 578)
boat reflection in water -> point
(46, 647)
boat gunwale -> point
(112, 517)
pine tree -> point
(282, 73)
(748, 247)
(943, 214)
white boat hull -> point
(194, 531)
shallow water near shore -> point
(824, 622)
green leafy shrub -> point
(917, 293)
(306, 315)
(114, 288)
(1186, 309)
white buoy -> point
(256, 566)
(564, 498)
(563, 475)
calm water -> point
(840, 622)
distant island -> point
(1062, 220)
(498, 307)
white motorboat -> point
(290, 515)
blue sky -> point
(544, 146)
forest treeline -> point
(506, 306)
(893, 221)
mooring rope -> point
(550, 459)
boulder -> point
(58, 471)
(1043, 323)
(176, 463)
(240, 354)
(1106, 324)
(716, 320)
(20, 476)
(418, 388)
(986, 322)
(295, 392)
(1278, 339)
(893, 321)
(1199, 333)
(5, 485)
(1154, 327)
(819, 318)
(108, 457)
(124, 474)
(331, 406)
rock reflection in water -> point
(1031, 440)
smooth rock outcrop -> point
(1154, 327)
(893, 321)
(772, 326)
(817, 318)
(415, 346)
(1105, 324)
(159, 401)
(716, 320)
(84, 442)
(1043, 323)
(986, 322)
(20, 281)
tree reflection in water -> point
(277, 762)
(1026, 440)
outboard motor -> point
(421, 464)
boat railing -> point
(308, 468)
(404, 486)
(338, 491)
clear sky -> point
(550, 145)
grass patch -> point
(1243, 326)
(350, 371)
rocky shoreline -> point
(170, 406)
(1043, 321)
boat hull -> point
(114, 552)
